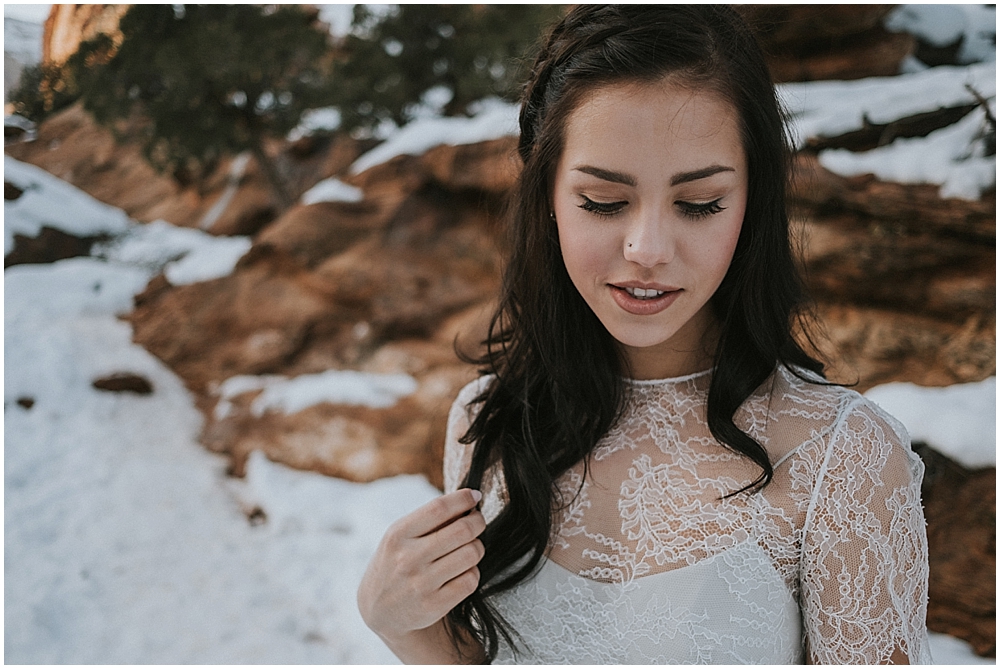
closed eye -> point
(700, 209)
(602, 208)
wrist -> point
(432, 645)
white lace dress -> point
(649, 565)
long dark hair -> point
(559, 381)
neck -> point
(690, 350)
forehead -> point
(661, 118)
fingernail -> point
(476, 495)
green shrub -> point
(469, 52)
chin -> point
(640, 337)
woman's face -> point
(649, 198)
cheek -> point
(715, 250)
(729, 239)
(585, 251)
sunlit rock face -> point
(69, 25)
(960, 505)
(811, 42)
(904, 282)
(388, 285)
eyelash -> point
(701, 210)
(690, 209)
(602, 208)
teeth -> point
(644, 293)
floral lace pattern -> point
(650, 561)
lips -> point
(644, 299)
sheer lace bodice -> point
(650, 562)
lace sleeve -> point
(864, 553)
(457, 455)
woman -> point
(667, 476)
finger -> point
(456, 562)
(454, 591)
(440, 511)
(455, 534)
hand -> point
(424, 567)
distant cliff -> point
(69, 25)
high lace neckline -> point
(668, 380)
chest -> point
(657, 497)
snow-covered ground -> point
(959, 421)
(125, 541)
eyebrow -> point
(684, 177)
(629, 180)
(607, 175)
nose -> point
(650, 240)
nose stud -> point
(630, 244)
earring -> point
(630, 244)
(552, 215)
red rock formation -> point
(960, 505)
(905, 282)
(73, 147)
(812, 42)
(69, 25)
(385, 285)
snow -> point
(336, 387)
(831, 108)
(338, 17)
(949, 650)
(125, 542)
(958, 421)
(19, 122)
(22, 39)
(432, 103)
(952, 157)
(32, 13)
(332, 190)
(325, 119)
(48, 201)
(911, 65)
(236, 171)
(185, 255)
(290, 396)
(491, 120)
(943, 25)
